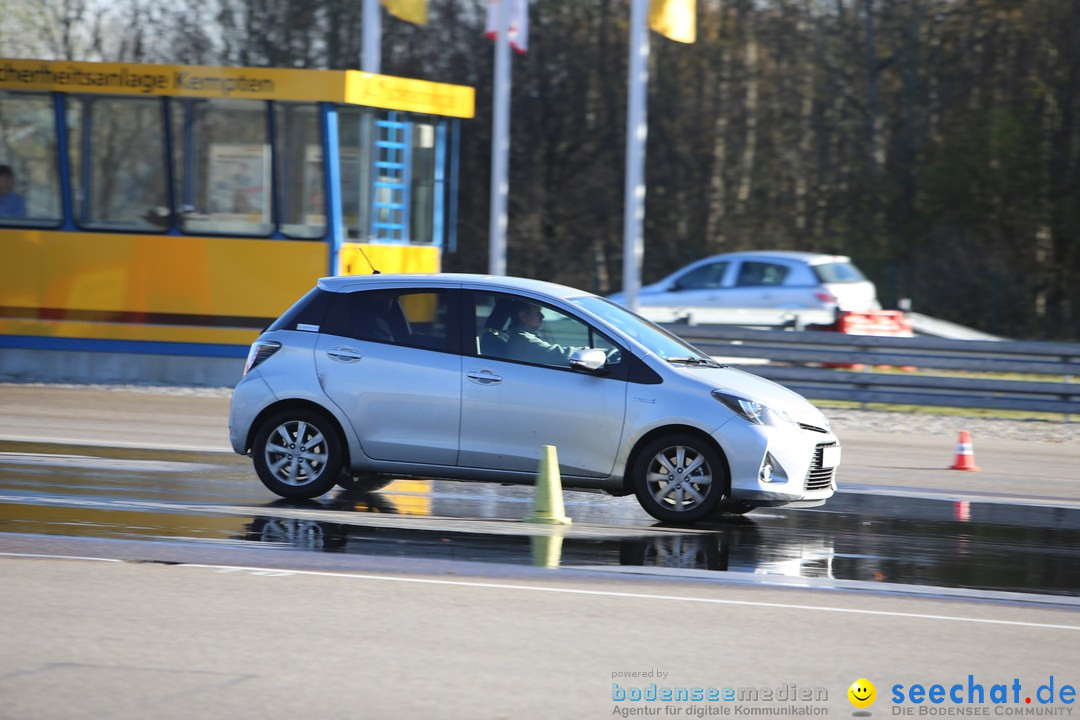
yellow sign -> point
(421, 96)
(338, 86)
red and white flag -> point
(518, 31)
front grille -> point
(819, 478)
(813, 428)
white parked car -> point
(770, 279)
(467, 377)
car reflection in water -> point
(733, 544)
(863, 537)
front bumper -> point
(773, 465)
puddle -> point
(856, 536)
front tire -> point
(298, 454)
(680, 479)
(733, 507)
(363, 483)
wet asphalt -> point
(870, 537)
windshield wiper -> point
(693, 360)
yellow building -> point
(177, 210)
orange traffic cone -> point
(965, 455)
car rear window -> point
(308, 311)
(838, 272)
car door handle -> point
(344, 354)
(484, 377)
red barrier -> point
(890, 323)
(885, 323)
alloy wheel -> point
(678, 478)
(296, 453)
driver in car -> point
(525, 345)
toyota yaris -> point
(467, 377)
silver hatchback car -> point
(764, 279)
(468, 376)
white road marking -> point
(215, 447)
(281, 572)
(91, 462)
(60, 557)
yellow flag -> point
(674, 19)
(414, 11)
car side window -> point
(706, 277)
(406, 317)
(761, 273)
(520, 329)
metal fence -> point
(825, 366)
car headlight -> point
(752, 410)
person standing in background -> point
(12, 204)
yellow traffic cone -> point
(548, 500)
(547, 549)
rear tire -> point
(680, 478)
(298, 454)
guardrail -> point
(801, 361)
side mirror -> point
(588, 360)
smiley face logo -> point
(862, 693)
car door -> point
(388, 358)
(760, 284)
(519, 396)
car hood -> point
(656, 287)
(653, 289)
(754, 387)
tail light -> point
(260, 350)
(826, 297)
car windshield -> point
(653, 337)
(838, 272)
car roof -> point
(346, 283)
(807, 257)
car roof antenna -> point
(374, 271)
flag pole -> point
(500, 144)
(370, 62)
(371, 57)
(637, 129)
